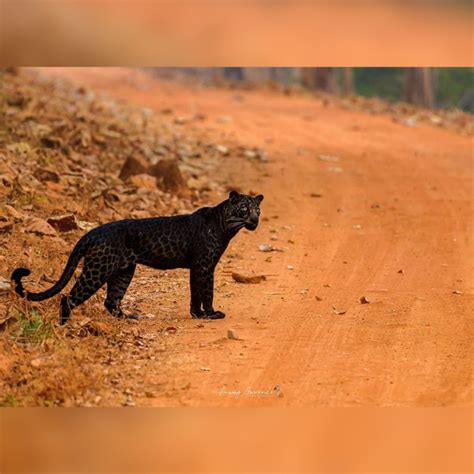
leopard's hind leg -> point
(89, 282)
(116, 287)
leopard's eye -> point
(243, 210)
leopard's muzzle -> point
(251, 223)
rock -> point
(256, 153)
(262, 155)
(168, 177)
(144, 181)
(253, 279)
(330, 158)
(231, 334)
(223, 150)
(38, 226)
(410, 121)
(224, 119)
(290, 267)
(268, 248)
(65, 223)
(36, 363)
(250, 154)
(131, 167)
(364, 300)
(338, 311)
(457, 292)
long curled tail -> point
(73, 261)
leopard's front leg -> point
(202, 290)
(196, 302)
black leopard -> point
(112, 251)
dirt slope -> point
(362, 207)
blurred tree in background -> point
(430, 87)
(427, 87)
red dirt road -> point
(393, 223)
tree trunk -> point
(347, 81)
(234, 73)
(322, 78)
(418, 87)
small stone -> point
(364, 300)
(144, 181)
(330, 158)
(223, 150)
(239, 278)
(231, 334)
(250, 154)
(457, 292)
(35, 363)
(224, 119)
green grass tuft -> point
(9, 401)
(33, 328)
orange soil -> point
(393, 224)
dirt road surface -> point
(362, 207)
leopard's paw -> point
(214, 315)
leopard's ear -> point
(259, 198)
(233, 194)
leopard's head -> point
(242, 211)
